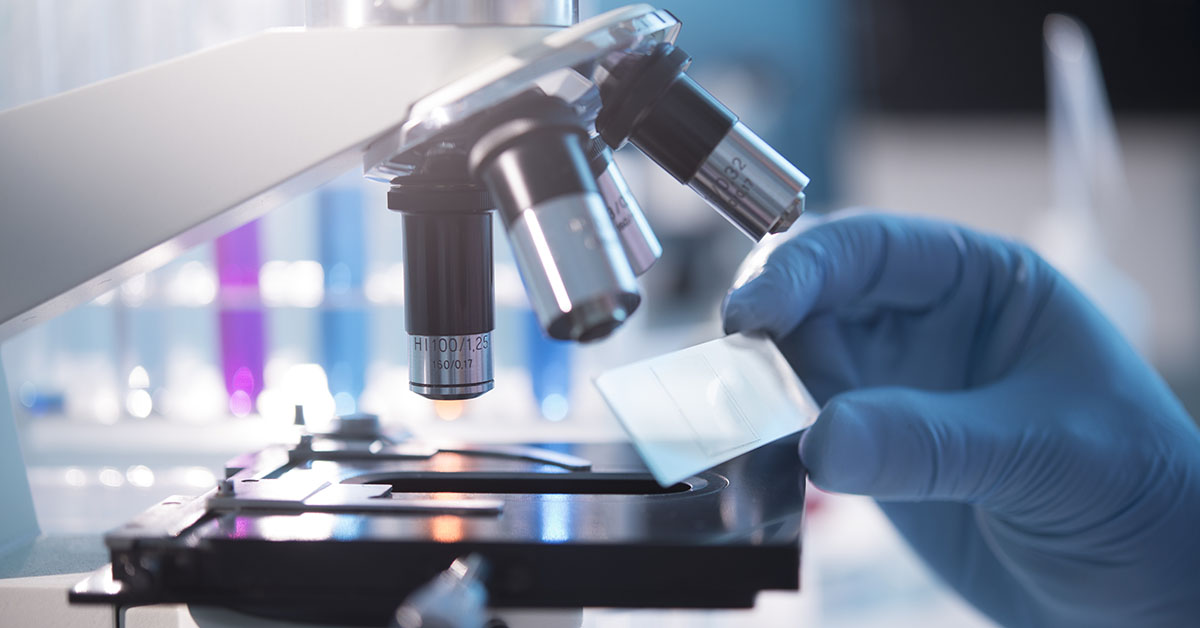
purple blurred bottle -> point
(241, 317)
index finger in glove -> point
(864, 261)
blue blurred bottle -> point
(549, 363)
(343, 317)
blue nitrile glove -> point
(1031, 457)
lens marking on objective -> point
(614, 200)
(471, 343)
(751, 184)
(450, 361)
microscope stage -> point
(343, 529)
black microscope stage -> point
(344, 526)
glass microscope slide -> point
(693, 409)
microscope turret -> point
(536, 137)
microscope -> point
(464, 109)
(538, 149)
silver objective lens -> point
(638, 241)
(750, 184)
(651, 102)
(567, 249)
(575, 270)
(450, 367)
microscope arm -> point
(114, 179)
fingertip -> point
(737, 310)
(734, 318)
(756, 306)
(840, 450)
(731, 312)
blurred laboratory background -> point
(1079, 135)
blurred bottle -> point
(1091, 194)
(549, 364)
(241, 317)
(343, 317)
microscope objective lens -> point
(450, 367)
(449, 300)
(652, 103)
(567, 248)
(637, 238)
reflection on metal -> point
(311, 526)
(520, 452)
(100, 581)
(446, 529)
(555, 518)
(304, 491)
(330, 447)
(359, 13)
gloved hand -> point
(1026, 452)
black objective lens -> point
(652, 103)
(448, 293)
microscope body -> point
(114, 179)
(534, 140)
